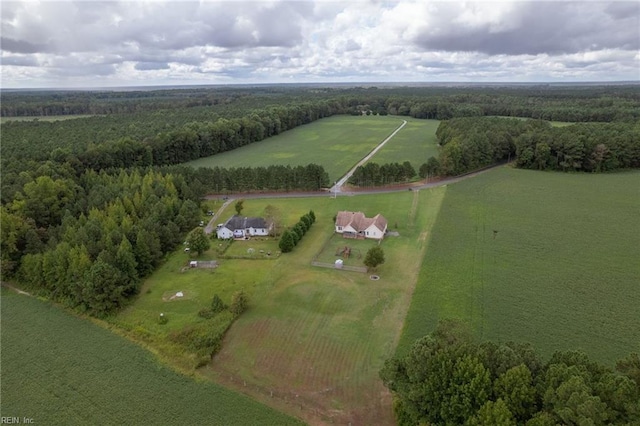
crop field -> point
(61, 370)
(313, 339)
(336, 143)
(546, 258)
(416, 142)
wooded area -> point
(91, 205)
(447, 378)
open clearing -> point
(314, 339)
(547, 258)
(61, 370)
(416, 142)
(336, 143)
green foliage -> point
(492, 414)
(217, 305)
(590, 147)
(163, 319)
(124, 223)
(198, 240)
(205, 337)
(374, 257)
(430, 168)
(372, 174)
(239, 206)
(312, 215)
(206, 313)
(287, 242)
(239, 303)
(446, 378)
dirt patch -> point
(172, 296)
(306, 374)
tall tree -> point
(198, 240)
(374, 257)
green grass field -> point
(416, 142)
(547, 258)
(314, 339)
(58, 369)
(336, 143)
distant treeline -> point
(471, 143)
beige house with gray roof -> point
(357, 225)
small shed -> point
(338, 264)
(193, 264)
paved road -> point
(338, 186)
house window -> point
(339, 228)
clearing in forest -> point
(416, 142)
(314, 339)
(336, 143)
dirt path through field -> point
(338, 186)
(12, 288)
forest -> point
(79, 197)
(448, 378)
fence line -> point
(343, 267)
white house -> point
(357, 225)
(242, 227)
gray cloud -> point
(148, 66)
(19, 61)
(120, 42)
(543, 27)
(20, 46)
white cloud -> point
(92, 43)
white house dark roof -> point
(240, 222)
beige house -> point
(357, 225)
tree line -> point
(220, 180)
(291, 237)
(468, 144)
(447, 378)
(373, 174)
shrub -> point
(206, 313)
(217, 305)
(239, 303)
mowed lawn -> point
(416, 142)
(336, 143)
(314, 339)
(547, 258)
(58, 369)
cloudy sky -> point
(133, 43)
